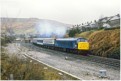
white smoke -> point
(49, 29)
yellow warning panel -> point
(83, 46)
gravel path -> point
(79, 67)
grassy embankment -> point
(105, 43)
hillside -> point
(27, 25)
(18, 25)
(105, 43)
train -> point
(71, 45)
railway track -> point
(107, 61)
(110, 62)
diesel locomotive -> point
(72, 45)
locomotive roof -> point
(43, 38)
(61, 39)
(68, 39)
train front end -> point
(83, 45)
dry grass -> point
(105, 43)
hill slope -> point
(27, 25)
(105, 43)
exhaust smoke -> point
(49, 29)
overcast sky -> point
(66, 11)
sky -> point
(66, 11)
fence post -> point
(11, 76)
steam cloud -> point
(49, 29)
